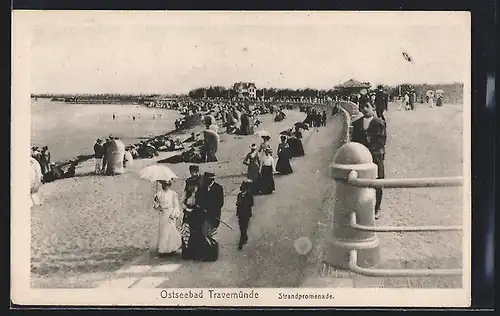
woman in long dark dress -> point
(193, 183)
(283, 165)
(252, 161)
(295, 142)
(267, 173)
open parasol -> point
(262, 133)
(439, 91)
(429, 93)
(157, 172)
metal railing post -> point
(352, 156)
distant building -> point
(245, 90)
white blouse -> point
(268, 161)
(168, 202)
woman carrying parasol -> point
(168, 239)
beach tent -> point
(35, 180)
(114, 155)
(35, 175)
(210, 143)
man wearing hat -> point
(413, 99)
(381, 102)
(98, 155)
(209, 200)
(370, 131)
(244, 204)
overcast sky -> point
(175, 52)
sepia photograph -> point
(241, 158)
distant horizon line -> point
(227, 87)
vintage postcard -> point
(241, 158)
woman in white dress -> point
(166, 201)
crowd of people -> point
(190, 223)
(50, 171)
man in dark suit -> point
(381, 102)
(371, 132)
(210, 198)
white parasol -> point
(262, 133)
(429, 93)
(157, 172)
(439, 91)
(154, 173)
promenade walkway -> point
(269, 258)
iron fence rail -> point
(353, 266)
(353, 180)
(388, 229)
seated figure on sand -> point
(247, 125)
(70, 173)
(128, 159)
(55, 173)
(191, 138)
(146, 150)
(133, 151)
(280, 116)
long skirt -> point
(185, 235)
(283, 165)
(168, 239)
(253, 173)
(296, 147)
(200, 241)
(267, 180)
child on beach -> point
(244, 204)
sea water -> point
(70, 130)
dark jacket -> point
(211, 201)
(244, 204)
(374, 138)
(98, 150)
(191, 183)
(381, 100)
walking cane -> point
(224, 223)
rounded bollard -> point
(348, 199)
(115, 154)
